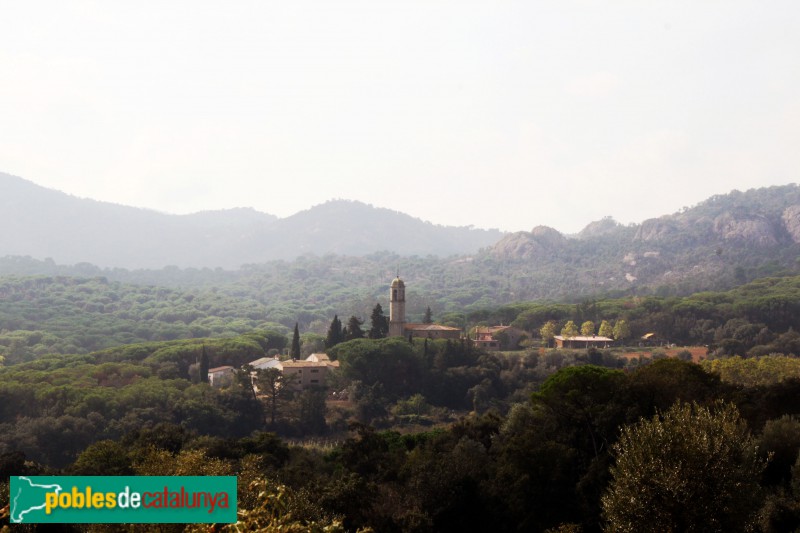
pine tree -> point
(295, 353)
(334, 336)
(428, 318)
(204, 366)
(354, 330)
(379, 324)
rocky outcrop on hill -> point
(791, 222)
(599, 227)
(753, 229)
(656, 229)
(528, 245)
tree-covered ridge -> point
(60, 314)
(41, 315)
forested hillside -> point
(59, 314)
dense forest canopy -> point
(60, 314)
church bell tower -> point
(397, 308)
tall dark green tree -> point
(428, 318)
(379, 324)
(295, 352)
(334, 336)
(204, 365)
(354, 330)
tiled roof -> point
(490, 329)
(430, 327)
(309, 364)
(219, 369)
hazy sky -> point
(496, 114)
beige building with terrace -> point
(308, 374)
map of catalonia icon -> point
(29, 497)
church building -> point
(398, 327)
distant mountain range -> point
(724, 241)
(44, 223)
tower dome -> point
(397, 308)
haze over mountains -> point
(43, 223)
(723, 241)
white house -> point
(220, 376)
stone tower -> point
(397, 308)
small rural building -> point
(595, 341)
(308, 374)
(221, 376)
(493, 338)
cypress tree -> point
(428, 318)
(204, 366)
(295, 353)
(334, 336)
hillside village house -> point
(303, 375)
(221, 376)
(595, 341)
(300, 375)
(398, 327)
(494, 338)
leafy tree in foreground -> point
(587, 328)
(689, 469)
